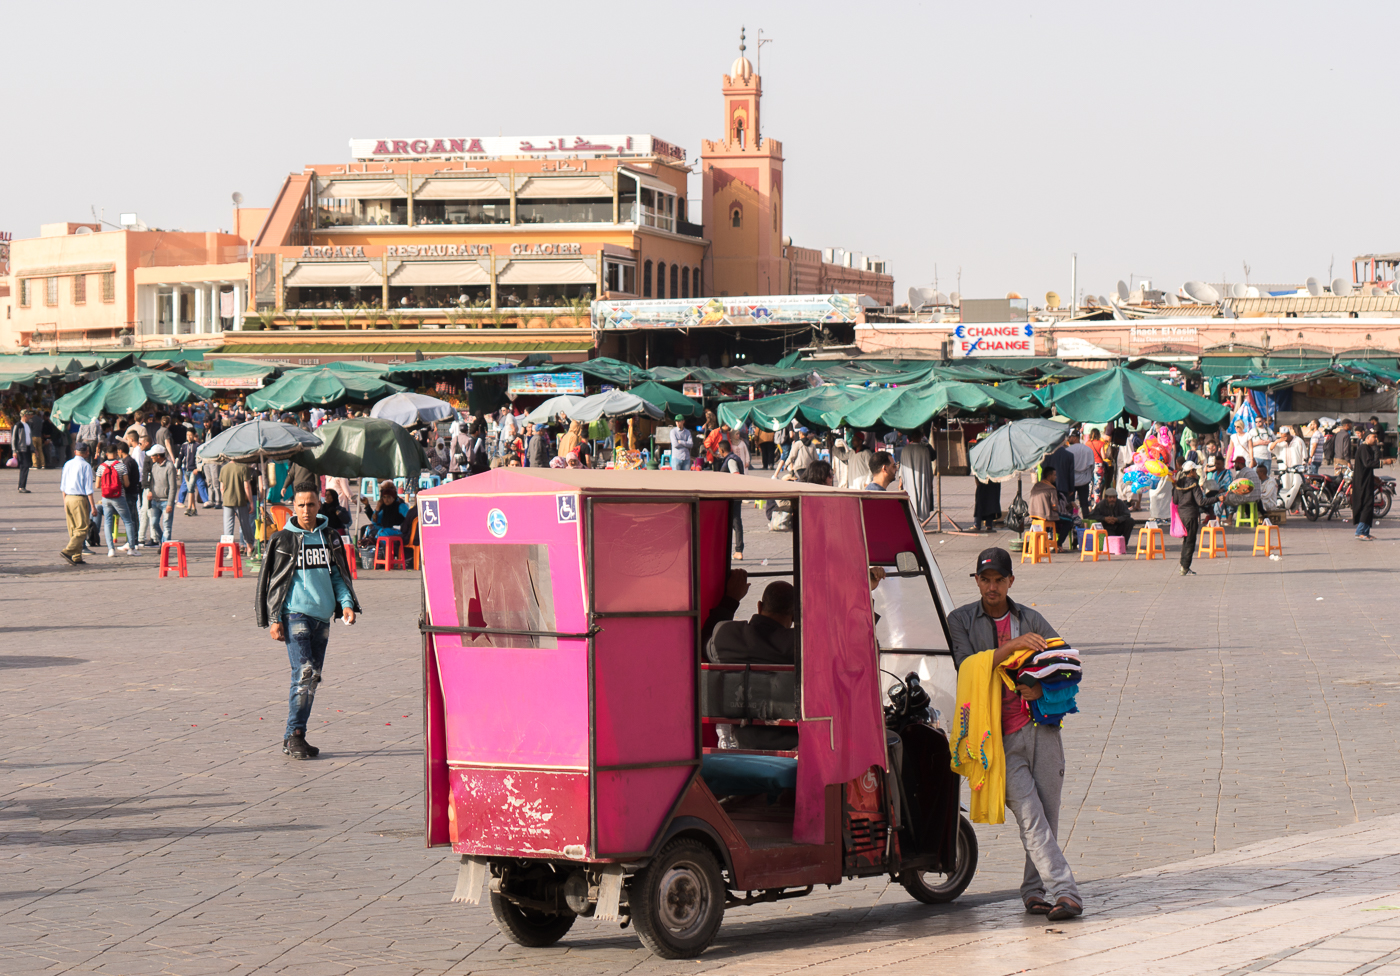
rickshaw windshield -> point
(503, 587)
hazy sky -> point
(1174, 141)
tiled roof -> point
(1361, 304)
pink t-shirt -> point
(1015, 713)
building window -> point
(646, 280)
(50, 291)
(695, 282)
(109, 286)
(675, 273)
(685, 282)
(661, 280)
(24, 293)
(629, 279)
(736, 219)
(80, 289)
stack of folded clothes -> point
(1057, 671)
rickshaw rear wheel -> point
(939, 889)
(677, 900)
(527, 927)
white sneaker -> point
(111, 553)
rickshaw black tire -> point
(958, 881)
(527, 927)
(701, 878)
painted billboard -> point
(973, 339)
(544, 384)
(714, 312)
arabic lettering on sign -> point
(590, 145)
(994, 339)
(522, 249)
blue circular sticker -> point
(496, 522)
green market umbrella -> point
(121, 393)
(822, 406)
(1113, 393)
(364, 448)
(445, 364)
(1015, 447)
(912, 407)
(321, 388)
(257, 440)
(671, 403)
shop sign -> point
(1161, 333)
(437, 250)
(333, 253)
(696, 391)
(518, 250)
(228, 382)
(544, 384)
(595, 145)
(705, 312)
(993, 339)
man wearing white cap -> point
(161, 485)
(1190, 501)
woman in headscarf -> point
(571, 438)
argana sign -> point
(973, 339)
(433, 146)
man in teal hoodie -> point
(303, 585)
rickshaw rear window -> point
(505, 587)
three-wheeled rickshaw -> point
(573, 718)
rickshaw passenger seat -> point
(747, 775)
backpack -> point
(110, 480)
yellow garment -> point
(977, 750)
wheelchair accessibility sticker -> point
(568, 508)
(430, 513)
(496, 523)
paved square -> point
(1232, 800)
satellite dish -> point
(1395, 287)
(914, 298)
(1237, 291)
(1201, 293)
(939, 298)
(1373, 290)
(1314, 289)
(83, 230)
(1341, 287)
(1011, 295)
(1122, 290)
(1172, 299)
(954, 298)
(237, 198)
(1052, 300)
(1251, 292)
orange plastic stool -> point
(1155, 543)
(1273, 540)
(1090, 545)
(1215, 536)
(179, 549)
(350, 556)
(393, 553)
(235, 567)
(1035, 546)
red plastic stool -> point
(165, 567)
(350, 556)
(236, 567)
(393, 553)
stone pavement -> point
(1231, 797)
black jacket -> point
(280, 563)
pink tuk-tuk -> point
(574, 721)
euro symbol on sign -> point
(959, 332)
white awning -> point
(458, 188)
(548, 272)
(377, 189)
(332, 274)
(566, 186)
(652, 182)
(440, 273)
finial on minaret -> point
(741, 42)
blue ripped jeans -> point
(306, 650)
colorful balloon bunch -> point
(1150, 462)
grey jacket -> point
(973, 631)
(162, 481)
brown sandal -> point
(1065, 908)
(1037, 906)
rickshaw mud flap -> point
(765, 896)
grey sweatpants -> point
(1035, 774)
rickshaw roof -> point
(591, 481)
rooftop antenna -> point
(758, 68)
(1246, 273)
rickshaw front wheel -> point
(527, 927)
(939, 889)
(677, 900)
